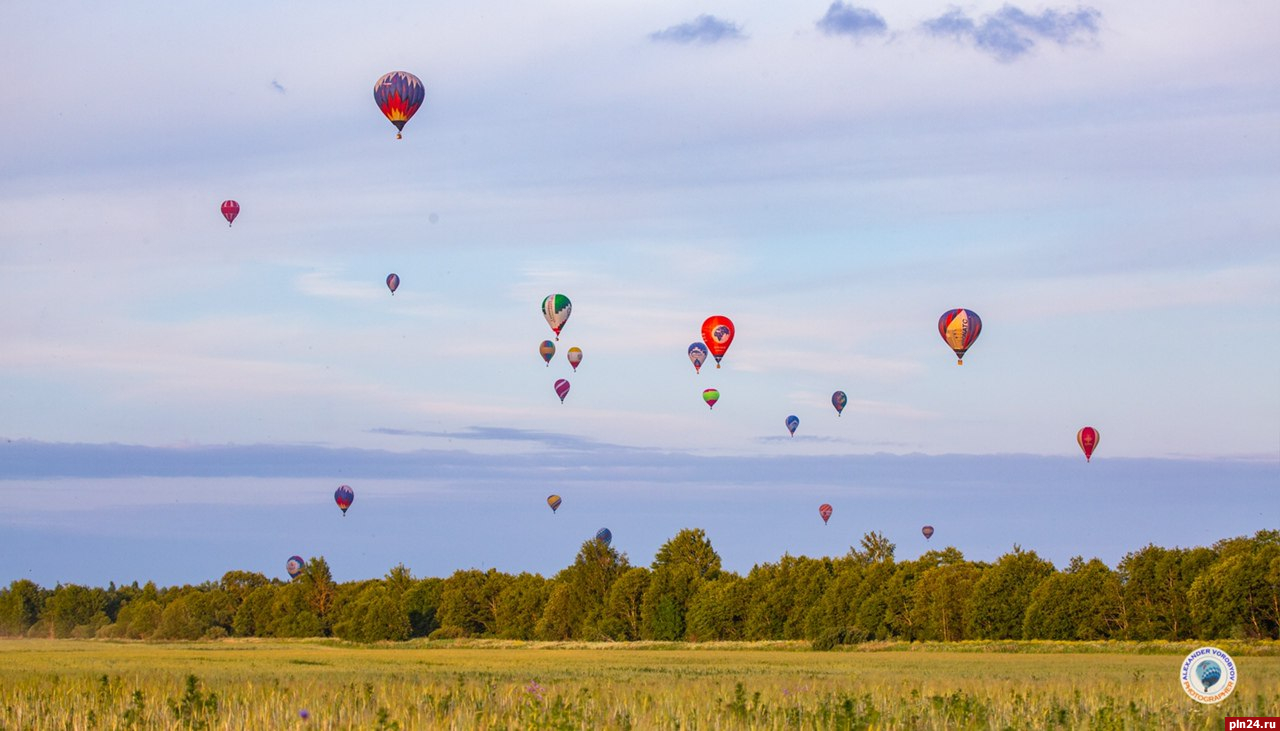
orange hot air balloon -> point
(959, 327)
(717, 333)
(1088, 438)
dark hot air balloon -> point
(927, 531)
(294, 566)
(393, 282)
(839, 400)
(825, 511)
(399, 94)
(344, 496)
(793, 423)
(605, 536)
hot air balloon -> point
(825, 511)
(575, 357)
(294, 566)
(562, 389)
(927, 531)
(399, 94)
(717, 333)
(556, 308)
(793, 422)
(393, 282)
(547, 349)
(230, 209)
(711, 396)
(554, 502)
(697, 356)
(344, 496)
(605, 536)
(839, 400)
(959, 328)
(1088, 438)
(1209, 672)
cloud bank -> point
(703, 29)
(849, 20)
(1011, 32)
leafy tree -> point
(999, 601)
(520, 605)
(1239, 595)
(1156, 583)
(70, 606)
(374, 615)
(468, 600)
(718, 609)
(624, 605)
(20, 606)
(679, 569)
(940, 598)
(1084, 602)
(580, 610)
(420, 603)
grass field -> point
(68, 684)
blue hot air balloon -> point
(605, 536)
(1209, 672)
(839, 399)
(344, 496)
(793, 422)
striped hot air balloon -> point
(399, 94)
(959, 328)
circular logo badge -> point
(1208, 675)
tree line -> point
(1228, 590)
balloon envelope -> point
(230, 209)
(399, 94)
(839, 400)
(547, 349)
(393, 282)
(825, 511)
(562, 389)
(605, 536)
(1088, 438)
(698, 355)
(711, 396)
(575, 357)
(294, 566)
(344, 496)
(717, 333)
(793, 423)
(554, 502)
(927, 531)
(959, 328)
(556, 308)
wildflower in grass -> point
(534, 689)
(304, 714)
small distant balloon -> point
(562, 389)
(839, 400)
(556, 308)
(399, 94)
(344, 496)
(294, 566)
(605, 536)
(554, 502)
(575, 357)
(927, 531)
(698, 355)
(793, 423)
(393, 282)
(717, 333)
(547, 349)
(230, 209)
(825, 511)
(959, 328)
(1088, 439)
(711, 396)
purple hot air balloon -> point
(393, 282)
(562, 389)
(927, 531)
(344, 496)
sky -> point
(180, 398)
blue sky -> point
(178, 398)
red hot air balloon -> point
(562, 389)
(230, 209)
(399, 94)
(825, 511)
(927, 531)
(393, 282)
(1088, 438)
(717, 333)
(959, 328)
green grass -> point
(255, 684)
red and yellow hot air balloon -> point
(717, 333)
(1088, 438)
(959, 328)
(399, 94)
(575, 357)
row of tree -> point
(1230, 590)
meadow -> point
(327, 684)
